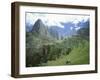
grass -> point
(78, 55)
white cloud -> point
(77, 28)
(54, 19)
(76, 21)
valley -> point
(54, 46)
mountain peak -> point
(39, 20)
(38, 24)
(39, 28)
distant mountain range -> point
(55, 32)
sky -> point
(54, 19)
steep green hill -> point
(78, 55)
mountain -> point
(41, 29)
(55, 32)
(69, 29)
(84, 24)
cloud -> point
(77, 28)
(54, 19)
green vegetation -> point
(43, 51)
(78, 55)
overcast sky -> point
(54, 19)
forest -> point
(42, 49)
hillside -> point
(50, 46)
